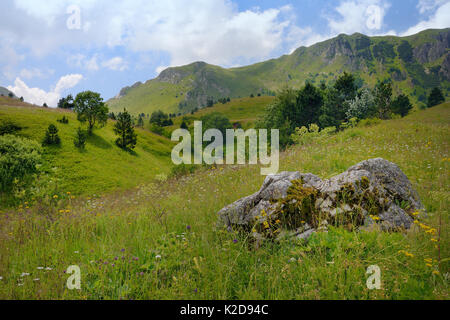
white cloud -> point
(425, 6)
(364, 16)
(209, 30)
(116, 64)
(33, 73)
(81, 61)
(39, 96)
(440, 19)
(161, 69)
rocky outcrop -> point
(431, 51)
(125, 90)
(298, 204)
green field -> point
(160, 241)
(102, 166)
(246, 111)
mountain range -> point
(415, 64)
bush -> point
(51, 136)
(8, 127)
(19, 158)
(305, 135)
(182, 170)
(363, 106)
(63, 120)
(369, 122)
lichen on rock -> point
(293, 204)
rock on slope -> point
(297, 204)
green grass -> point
(102, 166)
(246, 111)
(202, 262)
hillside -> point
(102, 167)
(5, 92)
(416, 64)
(160, 241)
(245, 111)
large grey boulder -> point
(291, 204)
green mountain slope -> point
(415, 64)
(102, 166)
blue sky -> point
(49, 48)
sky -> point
(50, 48)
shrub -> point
(182, 170)
(8, 127)
(369, 122)
(63, 120)
(305, 135)
(19, 158)
(51, 136)
(362, 106)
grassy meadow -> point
(160, 241)
(246, 111)
(86, 172)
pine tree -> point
(80, 138)
(51, 136)
(436, 97)
(124, 129)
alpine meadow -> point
(93, 205)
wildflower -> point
(68, 192)
(435, 272)
(24, 274)
(136, 258)
(235, 241)
(277, 221)
(48, 268)
(429, 265)
(67, 211)
(434, 240)
(254, 230)
(1, 278)
(55, 196)
(40, 268)
(61, 211)
(122, 250)
(37, 279)
(158, 257)
(188, 227)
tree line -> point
(336, 104)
